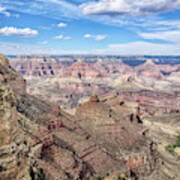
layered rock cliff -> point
(16, 153)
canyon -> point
(70, 81)
(88, 118)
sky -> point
(102, 27)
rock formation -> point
(118, 129)
(80, 70)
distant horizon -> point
(92, 55)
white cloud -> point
(3, 11)
(62, 25)
(87, 36)
(173, 36)
(59, 37)
(100, 37)
(56, 9)
(43, 42)
(95, 37)
(67, 37)
(27, 49)
(134, 48)
(140, 48)
(62, 37)
(132, 7)
(155, 23)
(12, 31)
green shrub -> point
(170, 149)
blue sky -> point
(119, 27)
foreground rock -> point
(15, 162)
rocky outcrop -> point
(11, 77)
(119, 134)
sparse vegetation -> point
(171, 148)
